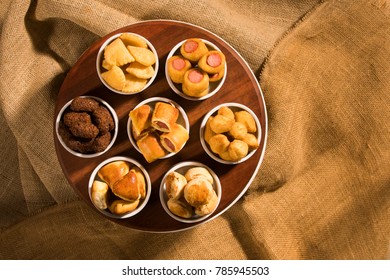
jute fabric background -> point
(322, 191)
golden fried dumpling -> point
(237, 150)
(116, 53)
(238, 131)
(133, 40)
(219, 143)
(133, 84)
(226, 111)
(221, 124)
(251, 140)
(208, 132)
(140, 71)
(247, 119)
(144, 56)
(114, 77)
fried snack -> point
(121, 207)
(82, 104)
(195, 83)
(226, 111)
(177, 67)
(164, 116)
(198, 172)
(206, 209)
(198, 192)
(116, 53)
(174, 185)
(174, 140)
(212, 62)
(80, 125)
(208, 132)
(217, 76)
(247, 119)
(221, 124)
(144, 56)
(140, 71)
(113, 171)
(238, 131)
(140, 120)
(103, 119)
(237, 150)
(133, 84)
(251, 140)
(140, 181)
(219, 143)
(133, 40)
(150, 147)
(127, 187)
(99, 194)
(193, 49)
(180, 208)
(226, 156)
(115, 78)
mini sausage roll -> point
(217, 76)
(212, 62)
(164, 116)
(193, 49)
(177, 67)
(150, 147)
(140, 120)
(195, 83)
(174, 140)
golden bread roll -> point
(140, 119)
(208, 132)
(238, 131)
(174, 140)
(99, 194)
(180, 208)
(150, 147)
(127, 188)
(141, 182)
(198, 192)
(219, 143)
(193, 49)
(247, 119)
(195, 82)
(209, 207)
(252, 141)
(177, 67)
(221, 124)
(212, 62)
(120, 207)
(174, 185)
(198, 172)
(237, 150)
(164, 116)
(113, 171)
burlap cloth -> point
(323, 190)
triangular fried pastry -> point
(133, 84)
(116, 53)
(115, 77)
(144, 56)
(140, 71)
(133, 40)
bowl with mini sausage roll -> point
(195, 69)
(119, 187)
(158, 128)
(87, 126)
(127, 63)
(190, 192)
(230, 133)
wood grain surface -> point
(240, 86)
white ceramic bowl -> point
(182, 168)
(132, 163)
(100, 69)
(182, 120)
(113, 134)
(234, 107)
(214, 87)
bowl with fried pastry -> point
(119, 187)
(230, 133)
(127, 63)
(190, 192)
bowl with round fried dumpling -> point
(127, 63)
(186, 78)
(119, 187)
(230, 133)
(190, 192)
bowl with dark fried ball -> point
(87, 126)
(230, 133)
(119, 187)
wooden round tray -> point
(240, 86)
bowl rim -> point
(157, 99)
(216, 186)
(99, 62)
(180, 93)
(147, 183)
(203, 125)
(114, 136)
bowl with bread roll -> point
(127, 63)
(87, 126)
(158, 128)
(230, 133)
(119, 187)
(195, 69)
(190, 192)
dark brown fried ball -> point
(101, 142)
(80, 125)
(80, 104)
(103, 119)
